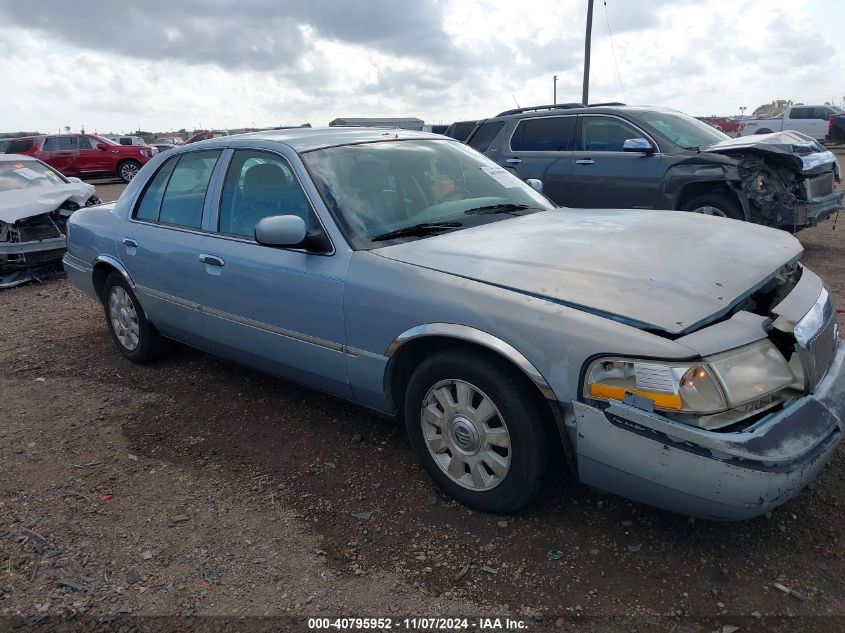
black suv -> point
(618, 156)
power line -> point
(613, 50)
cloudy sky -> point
(166, 64)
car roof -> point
(562, 109)
(307, 139)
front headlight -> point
(715, 384)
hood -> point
(24, 203)
(662, 270)
(803, 152)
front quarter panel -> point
(385, 298)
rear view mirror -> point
(102, 147)
(638, 145)
(280, 230)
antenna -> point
(515, 101)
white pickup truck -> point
(812, 120)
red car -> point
(84, 155)
(203, 135)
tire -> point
(718, 204)
(474, 382)
(135, 337)
(128, 169)
(763, 131)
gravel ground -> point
(196, 487)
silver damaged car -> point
(681, 360)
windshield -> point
(683, 130)
(373, 189)
(105, 139)
(837, 110)
(27, 174)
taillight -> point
(740, 128)
(830, 124)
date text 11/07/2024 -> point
(417, 624)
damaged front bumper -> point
(815, 210)
(20, 262)
(717, 475)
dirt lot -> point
(195, 487)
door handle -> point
(585, 161)
(513, 161)
(129, 242)
(212, 260)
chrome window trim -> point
(213, 201)
(473, 335)
(645, 134)
(539, 151)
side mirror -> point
(535, 183)
(73, 179)
(638, 145)
(280, 230)
(102, 147)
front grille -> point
(820, 186)
(38, 232)
(817, 336)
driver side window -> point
(257, 185)
(605, 134)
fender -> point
(111, 261)
(472, 335)
(479, 337)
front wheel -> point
(477, 430)
(128, 169)
(135, 336)
(717, 204)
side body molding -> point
(473, 335)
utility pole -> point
(554, 98)
(585, 92)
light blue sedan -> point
(681, 360)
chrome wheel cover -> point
(128, 171)
(708, 210)
(466, 435)
(124, 318)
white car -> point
(811, 120)
(35, 204)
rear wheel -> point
(718, 204)
(128, 169)
(135, 336)
(477, 430)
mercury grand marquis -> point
(680, 360)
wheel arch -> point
(104, 265)
(421, 341)
(410, 348)
(693, 189)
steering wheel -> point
(453, 195)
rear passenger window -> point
(185, 194)
(150, 203)
(799, 113)
(19, 147)
(60, 143)
(485, 135)
(258, 184)
(546, 134)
